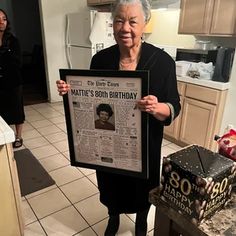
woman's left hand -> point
(148, 104)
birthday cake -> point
(197, 182)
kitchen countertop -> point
(205, 83)
(6, 133)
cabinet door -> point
(197, 122)
(10, 213)
(99, 2)
(93, 2)
(173, 129)
(195, 16)
(107, 1)
(224, 17)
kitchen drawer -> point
(202, 93)
(181, 88)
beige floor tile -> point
(87, 232)
(62, 146)
(62, 126)
(41, 105)
(44, 151)
(28, 214)
(58, 106)
(29, 134)
(35, 142)
(66, 222)
(41, 123)
(52, 129)
(66, 154)
(57, 120)
(50, 114)
(174, 146)
(56, 137)
(93, 178)
(27, 126)
(31, 112)
(86, 171)
(46, 109)
(65, 175)
(28, 108)
(41, 191)
(34, 118)
(79, 190)
(54, 162)
(165, 142)
(34, 229)
(48, 203)
(166, 150)
(92, 210)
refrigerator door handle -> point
(67, 31)
(67, 46)
(68, 56)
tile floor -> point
(71, 206)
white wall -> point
(165, 29)
(53, 29)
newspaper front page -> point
(110, 138)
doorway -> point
(27, 27)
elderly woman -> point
(123, 194)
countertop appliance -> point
(223, 65)
(196, 55)
(222, 59)
(85, 36)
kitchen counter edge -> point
(204, 83)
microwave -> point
(222, 59)
(196, 55)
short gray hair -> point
(146, 7)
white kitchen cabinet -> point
(200, 117)
(208, 17)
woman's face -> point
(128, 25)
(3, 21)
(104, 116)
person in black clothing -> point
(104, 112)
(125, 194)
(11, 96)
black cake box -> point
(197, 182)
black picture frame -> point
(77, 79)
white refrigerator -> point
(87, 32)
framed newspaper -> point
(105, 129)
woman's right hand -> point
(62, 87)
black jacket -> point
(10, 63)
(124, 194)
